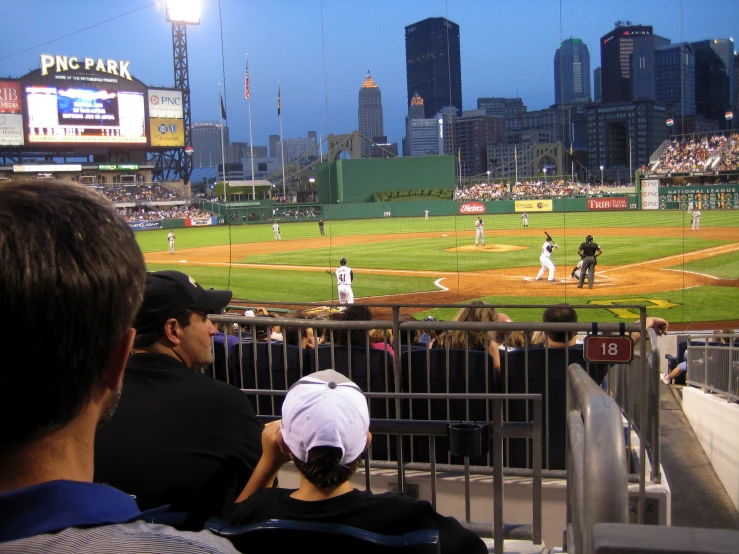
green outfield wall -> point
(350, 181)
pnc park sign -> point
(60, 64)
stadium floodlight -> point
(183, 11)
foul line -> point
(730, 248)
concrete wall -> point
(716, 423)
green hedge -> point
(413, 195)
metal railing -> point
(597, 476)
(714, 366)
(500, 430)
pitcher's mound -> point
(487, 248)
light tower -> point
(182, 13)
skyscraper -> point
(615, 60)
(642, 61)
(433, 65)
(597, 84)
(370, 113)
(206, 143)
(571, 71)
(714, 78)
(675, 78)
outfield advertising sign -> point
(534, 206)
(600, 204)
(650, 194)
(145, 225)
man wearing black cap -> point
(179, 437)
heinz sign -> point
(608, 204)
(472, 208)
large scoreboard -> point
(88, 101)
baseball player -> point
(426, 215)
(588, 251)
(696, 220)
(576, 271)
(276, 231)
(546, 260)
(525, 220)
(690, 207)
(479, 231)
(170, 238)
(344, 278)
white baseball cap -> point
(325, 409)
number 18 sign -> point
(609, 349)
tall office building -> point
(416, 110)
(468, 136)
(642, 61)
(206, 143)
(501, 107)
(714, 79)
(571, 71)
(433, 64)
(274, 146)
(615, 61)
(675, 78)
(597, 84)
(370, 113)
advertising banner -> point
(165, 104)
(534, 205)
(145, 225)
(167, 132)
(472, 208)
(597, 204)
(10, 97)
(11, 129)
(198, 221)
(650, 194)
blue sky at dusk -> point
(321, 51)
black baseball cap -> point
(169, 293)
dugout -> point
(350, 181)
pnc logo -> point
(154, 100)
(472, 208)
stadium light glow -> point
(183, 11)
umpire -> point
(588, 251)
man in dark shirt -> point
(179, 437)
(588, 251)
(320, 226)
(325, 430)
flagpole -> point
(515, 157)
(247, 93)
(223, 148)
(631, 167)
(282, 143)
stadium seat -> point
(293, 536)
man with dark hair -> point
(325, 431)
(180, 437)
(588, 252)
(560, 314)
(70, 265)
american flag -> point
(278, 99)
(246, 81)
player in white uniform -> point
(276, 231)
(479, 231)
(170, 239)
(696, 220)
(545, 259)
(426, 214)
(525, 220)
(344, 278)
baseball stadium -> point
(537, 307)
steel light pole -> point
(601, 176)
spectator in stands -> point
(180, 437)
(477, 340)
(325, 431)
(83, 279)
(355, 337)
(412, 338)
(560, 314)
(302, 337)
(382, 339)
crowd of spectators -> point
(691, 154)
(527, 189)
(155, 214)
(126, 194)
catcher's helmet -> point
(342, 261)
(589, 238)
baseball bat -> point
(554, 244)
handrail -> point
(714, 367)
(597, 484)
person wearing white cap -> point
(325, 431)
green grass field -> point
(626, 237)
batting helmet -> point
(342, 261)
(589, 238)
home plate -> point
(183, 261)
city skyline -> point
(284, 42)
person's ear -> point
(369, 440)
(112, 376)
(172, 331)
